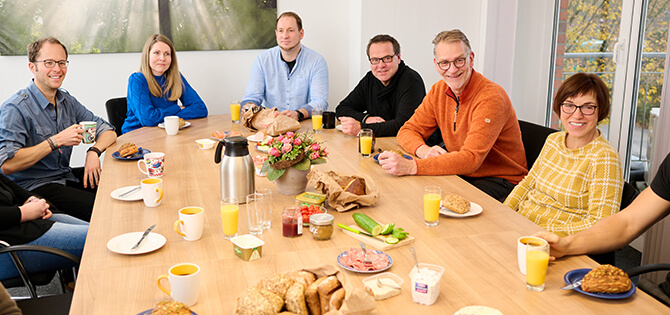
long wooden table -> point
(478, 253)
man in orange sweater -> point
(478, 124)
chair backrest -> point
(116, 112)
(533, 137)
(628, 194)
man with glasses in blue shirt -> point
(387, 96)
(289, 76)
(39, 125)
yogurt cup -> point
(426, 284)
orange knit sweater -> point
(486, 141)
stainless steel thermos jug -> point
(237, 168)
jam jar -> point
(291, 220)
(321, 226)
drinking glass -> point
(432, 195)
(267, 210)
(537, 261)
(365, 142)
(255, 205)
(235, 111)
(229, 216)
(317, 120)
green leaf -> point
(274, 174)
(318, 161)
(302, 165)
(266, 166)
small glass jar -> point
(321, 226)
(291, 220)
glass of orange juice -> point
(432, 195)
(235, 111)
(229, 216)
(537, 261)
(317, 120)
(365, 137)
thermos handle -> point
(217, 154)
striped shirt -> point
(567, 190)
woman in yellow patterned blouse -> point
(577, 179)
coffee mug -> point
(154, 163)
(152, 191)
(328, 120)
(89, 131)
(191, 221)
(171, 124)
(521, 249)
(184, 281)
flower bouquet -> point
(297, 150)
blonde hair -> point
(173, 84)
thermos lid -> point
(321, 219)
(236, 146)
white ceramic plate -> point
(122, 243)
(366, 271)
(133, 196)
(338, 127)
(252, 138)
(475, 209)
(186, 125)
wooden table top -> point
(478, 253)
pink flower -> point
(314, 156)
(287, 141)
(286, 148)
(274, 151)
(280, 138)
(290, 134)
(315, 147)
(297, 141)
(325, 151)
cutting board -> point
(379, 242)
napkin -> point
(270, 120)
(327, 183)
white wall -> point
(339, 30)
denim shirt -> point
(271, 84)
(27, 119)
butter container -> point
(248, 247)
(311, 198)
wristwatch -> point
(94, 149)
(301, 116)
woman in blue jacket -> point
(154, 90)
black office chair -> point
(533, 137)
(57, 304)
(117, 109)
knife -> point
(573, 285)
(130, 191)
(144, 235)
(350, 229)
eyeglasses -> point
(587, 110)
(385, 59)
(445, 64)
(49, 63)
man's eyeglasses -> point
(49, 63)
(587, 110)
(385, 59)
(445, 64)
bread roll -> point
(259, 301)
(127, 149)
(606, 279)
(302, 276)
(355, 186)
(456, 203)
(171, 308)
(337, 299)
(312, 297)
(278, 284)
(295, 299)
(326, 289)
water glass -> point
(255, 206)
(267, 210)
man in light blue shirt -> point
(39, 125)
(289, 76)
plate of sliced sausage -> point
(352, 260)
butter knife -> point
(130, 191)
(144, 235)
(573, 285)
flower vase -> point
(292, 182)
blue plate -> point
(366, 271)
(148, 312)
(376, 157)
(140, 154)
(577, 274)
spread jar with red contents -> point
(291, 220)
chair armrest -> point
(634, 271)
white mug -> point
(171, 125)
(521, 249)
(190, 223)
(184, 281)
(152, 191)
(154, 162)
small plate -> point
(148, 312)
(122, 243)
(577, 274)
(140, 154)
(475, 209)
(133, 196)
(376, 157)
(252, 138)
(366, 271)
(338, 127)
(262, 148)
(186, 125)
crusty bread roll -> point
(312, 297)
(337, 299)
(353, 185)
(606, 279)
(278, 284)
(302, 276)
(456, 203)
(259, 301)
(171, 308)
(182, 122)
(295, 299)
(326, 289)
(127, 149)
